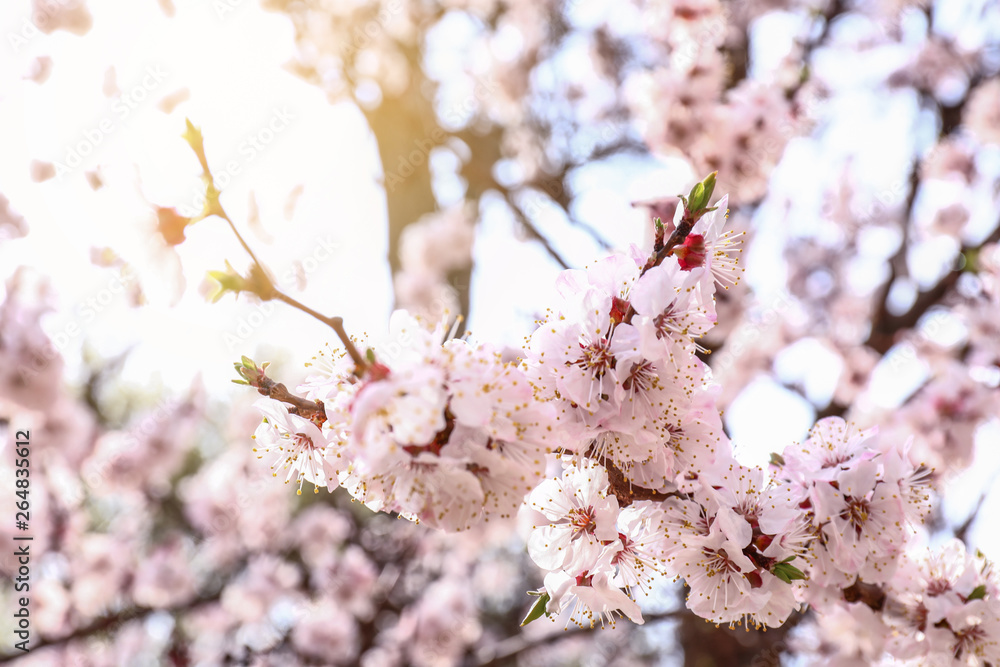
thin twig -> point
(501, 652)
(962, 531)
(626, 492)
(311, 410)
(530, 228)
(335, 323)
(676, 238)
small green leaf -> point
(192, 135)
(787, 572)
(226, 281)
(696, 200)
(701, 194)
(212, 205)
(978, 593)
(709, 185)
(537, 609)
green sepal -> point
(701, 194)
(192, 135)
(696, 199)
(708, 187)
(537, 609)
(212, 193)
(227, 281)
(787, 572)
(978, 593)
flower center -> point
(674, 434)
(641, 378)
(938, 587)
(627, 550)
(595, 358)
(583, 520)
(668, 323)
(969, 641)
(857, 512)
(719, 562)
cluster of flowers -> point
(938, 608)
(610, 396)
(447, 435)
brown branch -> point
(676, 238)
(833, 11)
(885, 325)
(502, 652)
(314, 411)
(266, 290)
(962, 531)
(619, 484)
(335, 323)
(897, 263)
(626, 492)
(111, 623)
(487, 147)
(529, 226)
(884, 329)
(870, 594)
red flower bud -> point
(691, 253)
